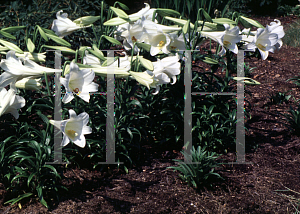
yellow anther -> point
(226, 43)
(260, 46)
(173, 47)
(161, 43)
(72, 134)
(133, 39)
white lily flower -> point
(158, 79)
(10, 102)
(168, 65)
(177, 43)
(79, 82)
(227, 38)
(74, 128)
(29, 84)
(62, 26)
(160, 42)
(276, 27)
(90, 59)
(15, 69)
(264, 40)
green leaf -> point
(48, 31)
(30, 45)
(112, 40)
(185, 28)
(167, 12)
(12, 29)
(11, 46)
(180, 22)
(145, 46)
(97, 54)
(119, 12)
(42, 33)
(206, 15)
(19, 198)
(58, 40)
(3, 33)
(245, 20)
(210, 61)
(146, 63)
(123, 6)
(61, 48)
(222, 21)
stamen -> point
(133, 39)
(226, 43)
(260, 46)
(161, 43)
(71, 134)
(173, 47)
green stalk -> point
(94, 32)
(99, 42)
(47, 84)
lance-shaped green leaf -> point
(30, 45)
(247, 23)
(222, 21)
(97, 54)
(119, 12)
(123, 6)
(86, 20)
(11, 46)
(48, 31)
(247, 80)
(58, 40)
(112, 40)
(3, 48)
(167, 12)
(43, 34)
(3, 33)
(208, 18)
(119, 21)
(180, 22)
(146, 63)
(185, 28)
(61, 48)
(210, 61)
(142, 77)
(12, 29)
(208, 26)
(94, 46)
(145, 46)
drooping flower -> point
(16, 70)
(143, 78)
(74, 128)
(227, 38)
(164, 70)
(79, 82)
(10, 102)
(62, 26)
(264, 40)
(276, 27)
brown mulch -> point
(248, 188)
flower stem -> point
(47, 84)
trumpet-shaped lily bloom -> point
(164, 70)
(79, 82)
(159, 42)
(15, 69)
(10, 102)
(227, 38)
(276, 27)
(62, 26)
(143, 78)
(74, 128)
(265, 41)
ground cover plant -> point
(148, 110)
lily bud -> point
(29, 84)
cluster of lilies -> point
(136, 31)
